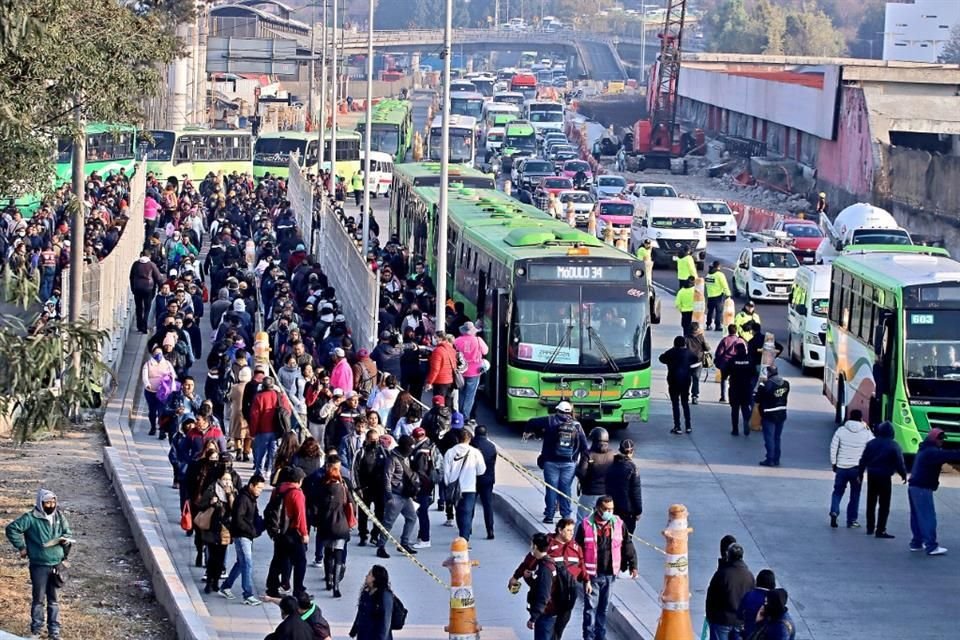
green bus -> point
(271, 152)
(892, 347)
(391, 128)
(519, 136)
(566, 316)
(196, 151)
(408, 176)
(110, 147)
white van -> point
(807, 316)
(381, 172)
(671, 224)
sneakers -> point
(226, 593)
(450, 523)
(409, 548)
(689, 429)
(252, 601)
(833, 521)
(675, 431)
(765, 463)
(939, 551)
(853, 525)
(420, 544)
(694, 400)
(913, 548)
(317, 563)
(382, 553)
(883, 535)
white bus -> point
(544, 116)
(467, 103)
(380, 174)
(463, 139)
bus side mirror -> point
(654, 309)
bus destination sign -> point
(581, 272)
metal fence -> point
(300, 195)
(107, 299)
(357, 288)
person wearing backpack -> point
(375, 609)
(285, 520)
(265, 416)
(428, 465)
(401, 485)
(462, 465)
(364, 373)
(563, 444)
(367, 472)
(606, 553)
(543, 590)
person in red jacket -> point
(263, 418)
(290, 547)
(562, 548)
(442, 363)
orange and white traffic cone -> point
(261, 348)
(463, 605)
(699, 303)
(675, 600)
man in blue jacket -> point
(563, 444)
(486, 481)
(924, 480)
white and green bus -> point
(196, 152)
(893, 340)
(271, 152)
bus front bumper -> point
(606, 412)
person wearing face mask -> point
(606, 553)
(43, 536)
(156, 372)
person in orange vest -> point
(606, 553)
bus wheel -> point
(841, 408)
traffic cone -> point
(729, 313)
(261, 348)
(675, 600)
(463, 605)
(699, 303)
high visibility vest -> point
(684, 300)
(743, 318)
(644, 253)
(686, 267)
(356, 182)
(716, 284)
(590, 545)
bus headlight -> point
(522, 392)
(812, 338)
(634, 394)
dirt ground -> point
(108, 595)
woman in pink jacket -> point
(473, 349)
(154, 373)
(151, 211)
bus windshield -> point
(583, 326)
(932, 353)
(461, 144)
(275, 152)
(160, 149)
(385, 139)
(523, 143)
(546, 116)
(467, 107)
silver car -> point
(582, 204)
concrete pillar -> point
(415, 69)
(179, 72)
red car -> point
(804, 235)
(554, 185)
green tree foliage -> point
(869, 40)
(810, 32)
(51, 51)
(730, 29)
(40, 388)
(951, 50)
(773, 29)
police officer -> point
(772, 399)
(684, 304)
(717, 291)
(645, 253)
(356, 184)
(745, 321)
(686, 266)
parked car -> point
(614, 212)
(534, 170)
(719, 219)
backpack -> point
(428, 473)
(398, 617)
(282, 418)
(410, 486)
(275, 518)
(566, 446)
(565, 594)
(366, 382)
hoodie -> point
(219, 307)
(928, 462)
(883, 456)
(35, 530)
(849, 441)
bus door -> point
(884, 371)
(496, 388)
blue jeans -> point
(595, 607)
(485, 494)
(772, 430)
(423, 515)
(723, 632)
(46, 283)
(841, 479)
(264, 446)
(243, 567)
(153, 407)
(559, 475)
(923, 519)
(43, 589)
(465, 510)
(468, 395)
(543, 627)
(395, 507)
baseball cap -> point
(564, 407)
(456, 420)
(340, 353)
(338, 392)
(439, 401)
(419, 432)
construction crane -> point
(655, 138)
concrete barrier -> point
(752, 219)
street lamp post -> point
(441, 257)
(333, 104)
(368, 133)
(313, 59)
(323, 94)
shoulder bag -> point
(349, 510)
(452, 493)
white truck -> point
(859, 223)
